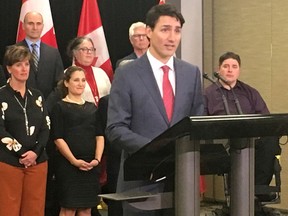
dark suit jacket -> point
(131, 56)
(113, 154)
(136, 113)
(50, 69)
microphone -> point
(224, 99)
(217, 75)
(238, 107)
(206, 76)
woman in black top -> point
(24, 131)
(80, 143)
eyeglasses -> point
(87, 50)
(139, 36)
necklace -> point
(25, 113)
(73, 101)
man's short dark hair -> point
(229, 55)
(162, 10)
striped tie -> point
(35, 57)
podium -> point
(177, 150)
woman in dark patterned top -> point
(24, 131)
(80, 142)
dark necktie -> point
(35, 57)
(168, 95)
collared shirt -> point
(158, 72)
(249, 98)
(29, 42)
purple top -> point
(249, 98)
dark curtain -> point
(117, 16)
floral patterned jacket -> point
(24, 125)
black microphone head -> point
(205, 75)
(216, 74)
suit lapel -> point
(42, 55)
(178, 101)
(146, 75)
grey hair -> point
(134, 26)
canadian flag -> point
(90, 25)
(43, 7)
(161, 2)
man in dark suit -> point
(50, 67)
(139, 42)
(43, 77)
(138, 110)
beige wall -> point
(258, 31)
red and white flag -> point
(43, 7)
(162, 2)
(90, 25)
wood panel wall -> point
(258, 31)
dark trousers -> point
(265, 150)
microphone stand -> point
(238, 107)
(224, 99)
(226, 107)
